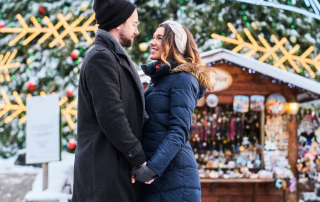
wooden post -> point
(45, 175)
(254, 193)
(262, 123)
(292, 129)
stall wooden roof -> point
(263, 68)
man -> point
(111, 110)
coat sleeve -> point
(102, 77)
(182, 104)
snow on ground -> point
(60, 181)
(7, 166)
(16, 178)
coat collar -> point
(105, 39)
(164, 70)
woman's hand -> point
(143, 174)
(133, 179)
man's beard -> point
(125, 42)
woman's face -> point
(156, 45)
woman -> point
(178, 80)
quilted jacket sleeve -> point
(182, 103)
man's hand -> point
(133, 180)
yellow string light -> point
(5, 108)
(271, 51)
(20, 107)
(52, 30)
(5, 65)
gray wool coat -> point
(111, 116)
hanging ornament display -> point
(72, 144)
(257, 103)
(1, 24)
(241, 103)
(276, 104)
(31, 86)
(75, 54)
(212, 100)
(293, 38)
(41, 10)
(143, 47)
(278, 183)
(30, 60)
(84, 6)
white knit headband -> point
(180, 35)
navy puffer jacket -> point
(171, 98)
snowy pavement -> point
(24, 183)
(15, 181)
(13, 187)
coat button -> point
(151, 84)
(130, 154)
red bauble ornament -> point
(69, 93)
(31, 86)
(72, 144)
(75, 54)
(1, 24)
(41, 10)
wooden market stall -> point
(241, 75)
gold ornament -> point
(293, 38)
(143, 46)
(254, 25)
(30, 60)
(84, 6)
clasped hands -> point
(143, 174)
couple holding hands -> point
(133, 145)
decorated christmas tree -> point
(49, 59)
(44, 42)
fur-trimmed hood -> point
(205, 75)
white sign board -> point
(43, 129)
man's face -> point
(129, 30)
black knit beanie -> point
(112, 13)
